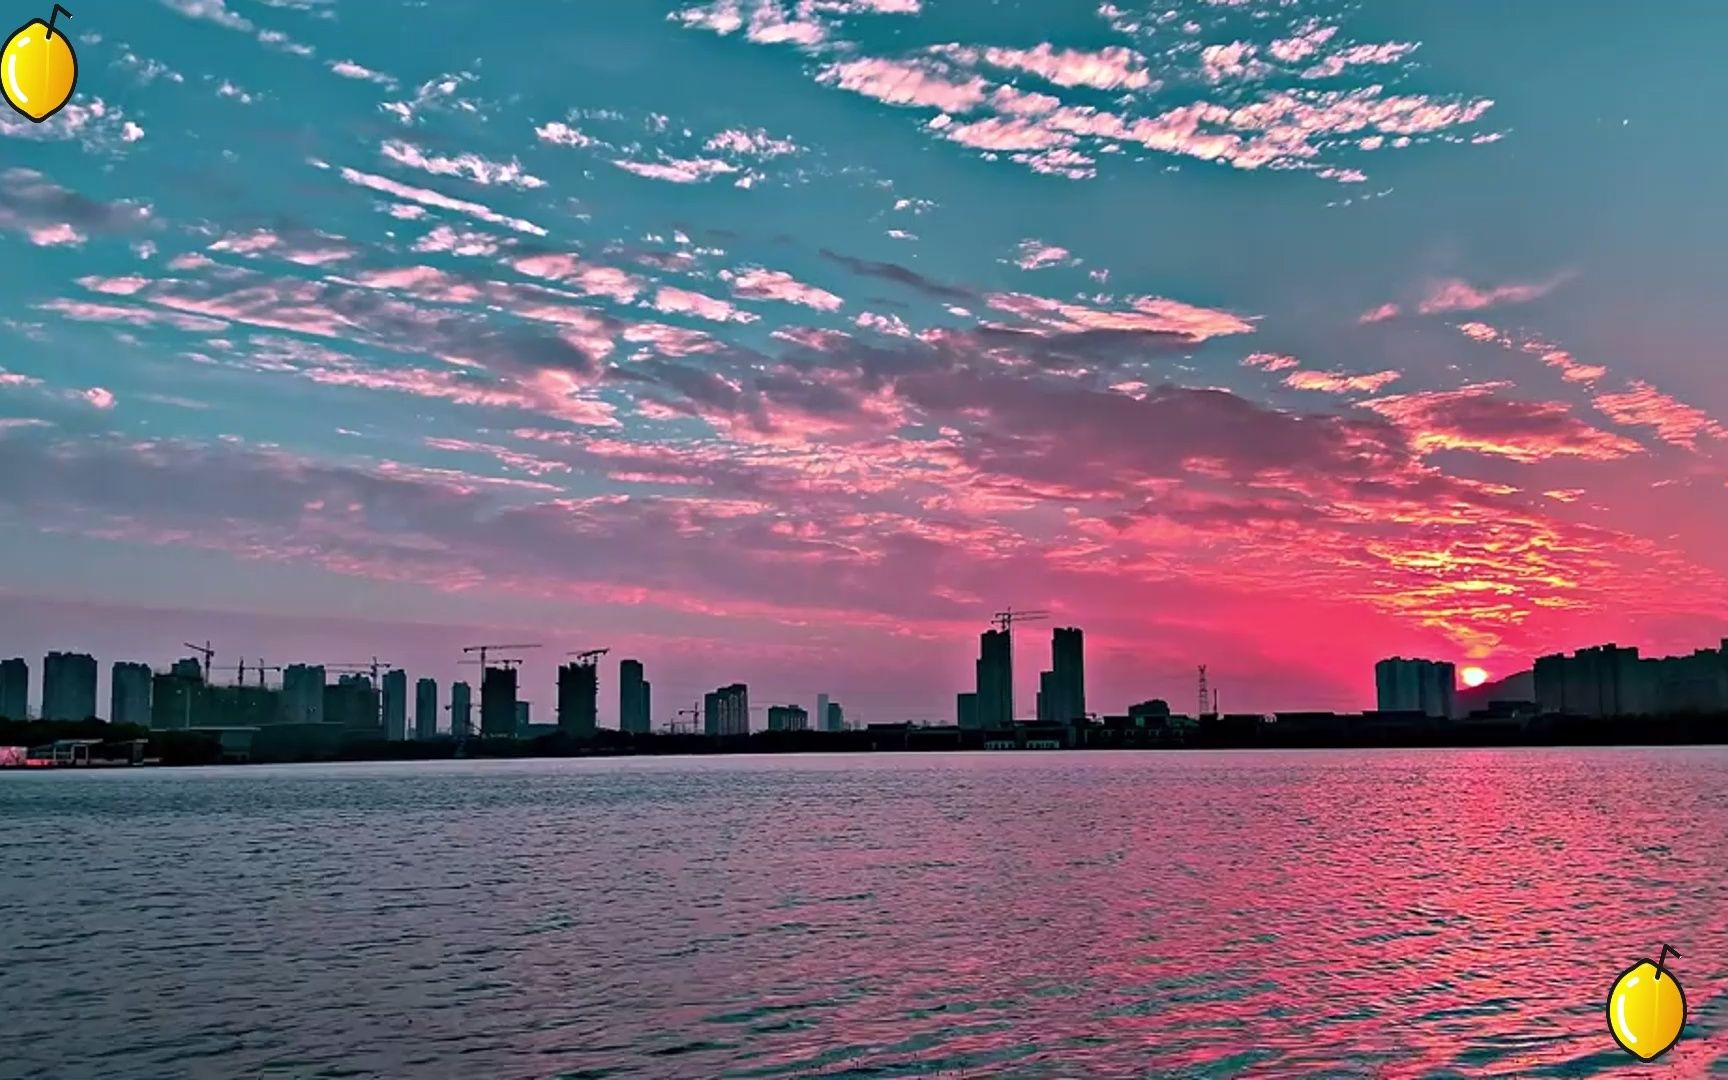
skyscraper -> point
(1048, 697)
(461, 710)
(633, 710)
(498, 703)
(426, 709)
(578, 700)
(302, 694)
(15, 689)
(726, 711)
(788, 718)
(966, 710)
(68, 686)
(1067, 675)
(1424, 686)
(129, 695)
(173, 696)
(821, 712)
(836, 717)
(395, 705)
(995, 680)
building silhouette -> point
(966, 710)
(995, 684)
(822, 712)
(726, 711)
(836, 717)
(461, 710)
(1046, 700)
(129, 694)
(578, 700)
(352, 702)
(303, 694)
(1416, 686)
(524, 720)
(68, 686)
(15, 689)
(426, 709)
(498, 703)
(1608, 681)
(175, 695)
(1068, 675)
(633, 699)
(395, 705)
(788, 718)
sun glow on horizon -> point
(1473, 676)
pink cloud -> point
(1455, 294)
(471, 167)
(98, 398)
(1035, 255)
(348, 69)
(678, 170)
(436, 201)
(882, 324)
(1270, 361)
(1380, 314)
(675, 301)
(1151, 314)
(1110, 68)
(755, 283)
(1301, 46)
(59, 235)
(561, 134)
(1675, 422)
(905, 82)
(748, 143)
(1476, 419)
(1334, 382)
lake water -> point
(1440, 913)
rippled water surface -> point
(1021, 915)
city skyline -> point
(789, 339)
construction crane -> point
(694, 712)
(1005, 620)
(259, 667)
(205, 651)
(484, 649)
(1205, 697)
(589, 658)
(363, 667)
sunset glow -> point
(1473, 676)
(785, 343)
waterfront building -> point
(726, 711)
(966, 710)
(461, 710)
(129, 694)
(15, 689)
(836, 717)
(1067, 675)
(995, 680)
(303, 694)
(498, 702)
(578, 700)
(395, 705)
(634, 716)
(788, 718)
(68, 686)
(426, 709)
(1416, 686)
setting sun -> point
(1474, 676)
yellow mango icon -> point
(38, 68)
(1647, 1008)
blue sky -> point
(785, 341)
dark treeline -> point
(303, 743)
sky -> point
(786, 341)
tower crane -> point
(590, 657)
(259, 667)
(484, 649)
(694, 712)
(1005, 620)
(206, 652)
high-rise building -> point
(836, 717)
(129, 694)
(302, 694)
(1047, 701)
(498, 703)
(1424, 686)
(524, 718)
(634, 717)
(68, 686)
(174, 698)
(461, 710)
(15, 689)
(1608, 680)
(189, 668)
(966, 710)
(788, 718)
(1067, 675)
(426, 709)
(995, 680)
(726, 711)
(352, 701)
(578, 700)
(395, 705)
